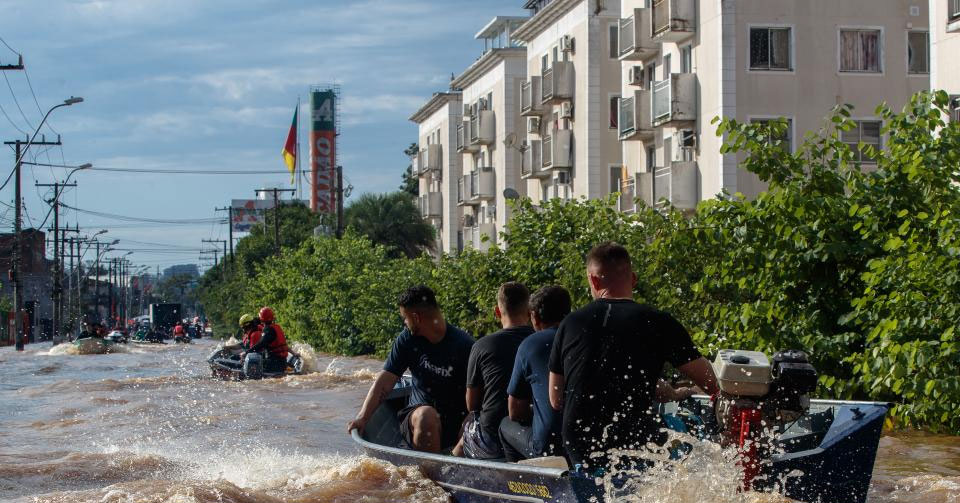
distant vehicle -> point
(116, 336)
(164, 317)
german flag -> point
(290, 148)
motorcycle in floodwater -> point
(225, 363)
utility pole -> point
(339, 202)
(229, 210)
(20, 149)
(65, 313)
(276, 212)
(57, 267)
(215, 253)
(224, 241)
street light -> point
(18, 332)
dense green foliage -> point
(858, 267)
(392, 220)
(410, 182)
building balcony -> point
(635, 117)
(482, 185)
(673, 20)
(530, 97)
(429, 160)
(636, 40)
(480, 237)
(627, 202)
(483, 128)
(557, 149)
(558, 83)
(674, 100)
(464, 188)
(533, 161)
(431, 205)
(560, 191)
(464, 145)
(675, 185)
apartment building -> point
(570, 99)
(945, 50)
(489, 137)
(437, 166)
(685, 62)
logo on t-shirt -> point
(440, 371)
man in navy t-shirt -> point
(436, 354)
(533, 428)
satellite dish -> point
(510, 140)
(509, 193)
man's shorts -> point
(449, 427)
(477, 444)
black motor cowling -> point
(794, 378)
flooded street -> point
(149, 425)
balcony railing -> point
(635, 116)
(673, 20)
(635, 40)
(530, 96)
(547, 151)
(461, 137)
(628, 119)
(532, 161)
(627, 202)
(674, 99)
(557, 82)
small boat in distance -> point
(828, 453)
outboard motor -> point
(755, 394)
(253, 366)
(295, 362)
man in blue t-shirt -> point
(435, 352)
(533, 428)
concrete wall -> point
(443, 124)
(945, 48)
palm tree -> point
(392, 220)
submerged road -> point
(149, 425)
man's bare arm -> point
(667, 393)
(381, 387)
(701, 372)
(519, 410)
(557, 385)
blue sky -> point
(212, 84)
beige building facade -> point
(945, 50)
(437, 166)
(569, 100)
(685, 62)
(489, 136)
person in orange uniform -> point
(250, 328)
(272, 341)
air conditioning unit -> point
(533, 125)
(635, 75)
(566, 43)
(468, 221)
(467, 110)
(566, 110)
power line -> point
(170, 171)
(4, 42)
(128, 218)
(16, 101)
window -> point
(556, 53)
(866, 132)
(918, 52)
(953, 10)
(544, 63)
(686, 59)
(489, 101)
(614, 41)
(860, 51)
(616, 179)
(785, 137)
(770, 49)
(667, 64)
(651, 159)
(651, 75)
(614, 112)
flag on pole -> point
(290, 148)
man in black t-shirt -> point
(436, 354)
(488, 374)
(605, 363)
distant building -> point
(183, 269)
(35, 278)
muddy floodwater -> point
(148, 424)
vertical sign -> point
(323, 153)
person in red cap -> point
(272, 341)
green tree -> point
(392, 220)
(411, 184)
